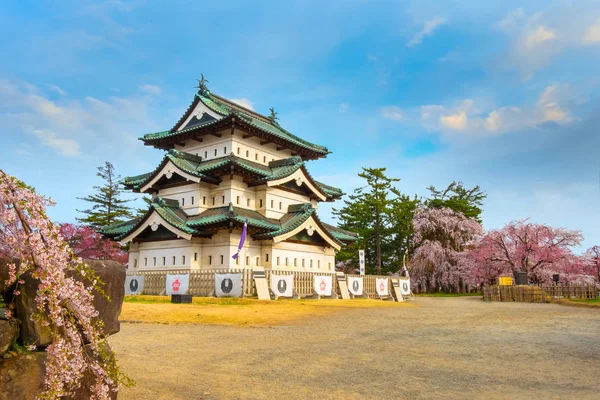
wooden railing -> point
(538, 294)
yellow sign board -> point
(505, 280)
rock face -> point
(3, 274)
(32, 330)
(22, 378)
(112, 274)
(9, 329)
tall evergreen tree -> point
(108, 206)
(367, 213)
(458, 198)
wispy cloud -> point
(592, 33)
(391, 112)
(428, 28)
(57, 89)
(150, 89)
(65, 147)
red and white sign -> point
(323, 284)
(177, 284)
(381, 285)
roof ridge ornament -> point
(202, 88)
(273, 116)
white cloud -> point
(343, 107)
(537, 36)
(150, 89)
(244, 102)
(469, 119)
(66, 147)
(592, 34)
(57, 89)
(512, 20)
(392, 112)
(427, 30)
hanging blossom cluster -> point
(64, 305)
(442, 235)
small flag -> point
(242, 240)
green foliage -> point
(382, 216)
(108, 206)
(458, 198)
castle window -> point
(266, 257)
(145, 261)
(247, 202)
(329, 266)
(257, 260)
(318, 263)
(195, 256)
(209, 260)
(280, 205)
(135, 263)
(265, 159)
(164, 260)
(223, 199)
(237, 200)
(206, 154)
(215, 152)
(295, 263)
(221, 260)
(238, 151)
(256, 157)
(260, 202)
(247, 260)
(203, 200)
(213, 201)
(225, 150)
(173, 260)
(237, 261)
(154, 261)
(183, 260)
(286, 261)
(311, 264)
(303, 263)
(192, 200)
(247, 153)
(271, 203)
(277, 260)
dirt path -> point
(452, 348)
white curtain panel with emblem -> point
(177, 284)
(405, 287)
(323, 284)
(282, 285)
(228, 285)
(355, 285)
(134, 284)
(381, 285)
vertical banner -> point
(282, 285)
(381, 285)
(361, 261)
(177, 284)
(228, 285)
(405, 287)
(323, 284)
(355, 285)
(134, 284)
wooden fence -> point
(538, 294)
(202, 282)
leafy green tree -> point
(458, 198)
(108, 207)
(367, 213)
(401, 215)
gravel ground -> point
(453, 348)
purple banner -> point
(242, 240)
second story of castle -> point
(220, 153)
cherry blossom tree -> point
(441, 236)
(537, 249)
(64, 304)
(88, 244)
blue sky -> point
(499, 94)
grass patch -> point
(236, 311)
(447, 294)
(586, 303)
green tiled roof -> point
(204, 170)
(341, 234)
(265, 228)
(225, 108)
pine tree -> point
(458, 198)
(108, 206)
